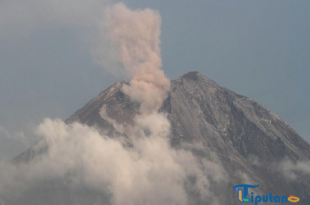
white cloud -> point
(292, 170)
(18, 136)
(149, 172)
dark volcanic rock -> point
(248, 139)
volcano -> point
(252, 143)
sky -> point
(259, 49)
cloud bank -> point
(148, 172)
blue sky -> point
(260, 49)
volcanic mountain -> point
(252, 143)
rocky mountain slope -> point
(252, 143)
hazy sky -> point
(260, 49)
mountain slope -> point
(201, 110)
(251, 142)
(247, 137)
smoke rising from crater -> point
(136, 37)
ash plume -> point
(136, 36)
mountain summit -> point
(253, 144)
(202, 111)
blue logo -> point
(243, 191)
